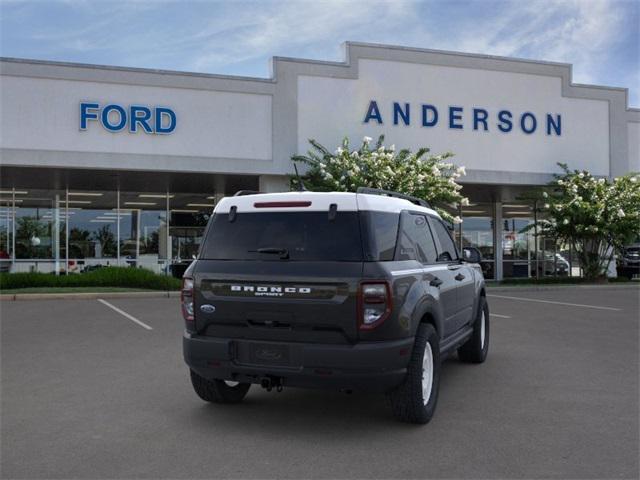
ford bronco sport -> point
(353, 291)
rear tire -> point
(475, 350)
(415, 400)
(218, 391)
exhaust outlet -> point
(269, 383)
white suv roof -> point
(317, 201)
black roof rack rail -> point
(242, 193)
(389, 193)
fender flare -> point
(428, 309)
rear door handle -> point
(436, 282)
(459, 277)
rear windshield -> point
(304, 236)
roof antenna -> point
(301, 187)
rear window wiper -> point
(283, 252)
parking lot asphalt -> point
(89, 393)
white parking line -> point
(499, 316)
(125, 314)
(556, 303)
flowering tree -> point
(596, 216)
(431, 177)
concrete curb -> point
(86, 296)
(539, 288)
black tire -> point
(217, 391)
(406, 400)
(475, 349)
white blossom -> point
(464, 202)
(367, 140)
(461, 170)
(621, 213)
(457, 220)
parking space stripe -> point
(499, 316)
(125, 314)
(556, 303)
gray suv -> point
(352, 291)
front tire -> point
(475, 349)
(415, 400)
(218, 391)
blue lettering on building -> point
(480, 116)
(373, 113)
(429, 116)
(455, 117)
(459, 118)
(399, 112)
(115, 118)
(555, 124)
(504, 121)
(528, 127)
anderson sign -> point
(460, 118)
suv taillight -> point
(374, 304)
(186, 299)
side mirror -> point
(472, 255)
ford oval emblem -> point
(206, 308)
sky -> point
(600, 38)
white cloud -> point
(287, 26)
(571, 31)
(240, 37)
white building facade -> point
(120, 166)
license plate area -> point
(266, 353)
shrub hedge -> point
(102, 277)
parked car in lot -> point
(5, 261)
(351, 291)
(628, 264)
(551, 264)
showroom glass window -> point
(144, 229)
(477, 230)
(40, 227)
(93, 230)
(189, 216)
(518, 240)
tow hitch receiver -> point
(271, 382)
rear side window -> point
(446, 248)
(415, 241)
(380, 232)
(306, 236)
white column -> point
(56, 234)
(498, 239)
(66, 232)
(118, 226)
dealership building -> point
(106, 165)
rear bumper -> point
(366, 366)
